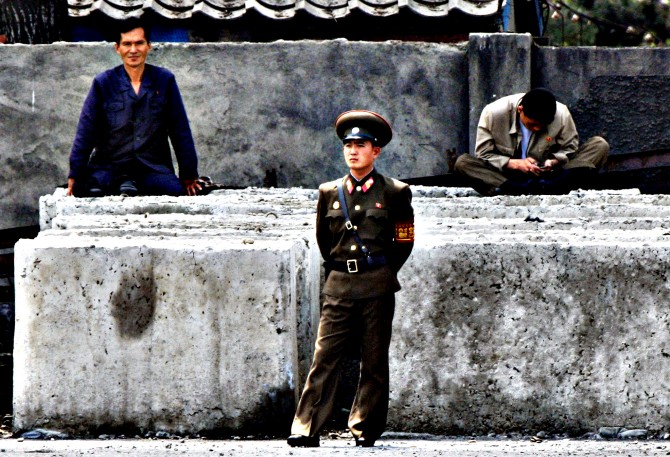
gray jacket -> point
(499, 134)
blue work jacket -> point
(118, 127)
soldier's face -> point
(360, 156)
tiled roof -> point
(278, 9)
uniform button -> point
(358, 188)
(357, 207)
(353, 247)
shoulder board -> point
(329, 185)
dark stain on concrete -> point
(134, 303)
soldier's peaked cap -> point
(363, 125)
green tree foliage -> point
(608, 23)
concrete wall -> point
(258, 109)
(197, 314)
(622, 94)
(254, 109)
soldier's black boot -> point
(303, 441)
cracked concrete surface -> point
(544, 313)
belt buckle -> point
(352, 266)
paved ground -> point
(338, 447)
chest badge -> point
(336, 205)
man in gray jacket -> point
(528, 144)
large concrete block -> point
(177, 335)
(532, 336)
(190, 314)
(509, 323)
(240, 216)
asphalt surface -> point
(333, 447)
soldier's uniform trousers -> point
(340, 319)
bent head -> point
(531, 124)
(537, 109)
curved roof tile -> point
(278, 9)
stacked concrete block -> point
(165, 314)
(198, 313)
(534, 313)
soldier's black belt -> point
(357, 265)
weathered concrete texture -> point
(154, 324)
(236, 211)
(533, 336)
(178, 338)
(607, 87)
(516, 313)
(509, 323)
(255, 109)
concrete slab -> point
(517, 313)
(149, 309)
(493, 336)
(156, 334)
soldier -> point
(365, 232)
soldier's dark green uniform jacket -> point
(381, 210)
(361, 302)
(359, 292)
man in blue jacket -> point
(131, 111)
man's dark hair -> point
(132, 24)
(540, 105)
